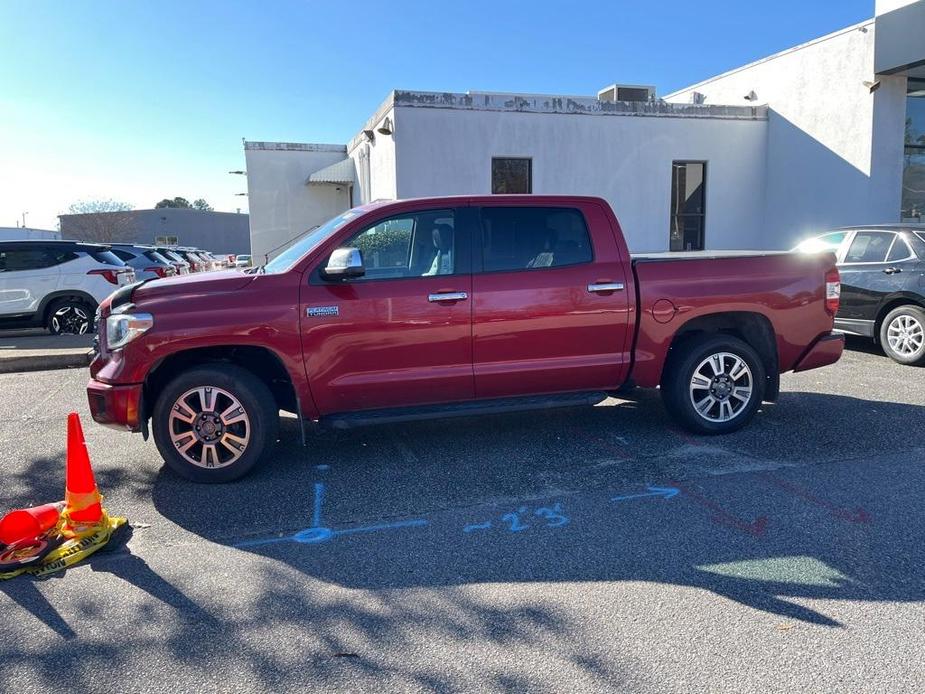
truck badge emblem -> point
(317, 311)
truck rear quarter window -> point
(532, 238)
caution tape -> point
(61, 547)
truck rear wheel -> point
(714, 384)
(214, 423)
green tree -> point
(202, 205)
(178, 202)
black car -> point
(882, 285)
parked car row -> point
(882, 285)
(59, 284)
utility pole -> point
(24, 219)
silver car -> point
(145, 260)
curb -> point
(44, 362)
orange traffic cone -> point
(81, 496)
(29, 523)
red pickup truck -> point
(453, 306)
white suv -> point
(57, 284)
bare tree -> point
(99, 220)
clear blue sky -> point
(138, 101)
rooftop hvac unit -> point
(627, 92)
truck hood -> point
(191, 285)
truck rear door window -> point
(532, 238)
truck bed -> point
(786, 289)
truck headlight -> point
(122, 328)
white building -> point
(759, 157)
(27, 234)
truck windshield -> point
(312, 238)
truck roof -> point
(514, 199)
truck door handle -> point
(892, 270)
(448, 296)
(606, 287)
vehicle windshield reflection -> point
(312, 238)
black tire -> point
(69, 317)
(906, 321)
(225, 383)
(690, 356)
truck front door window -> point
(417, 245)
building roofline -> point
(555, 104)
(773, 56)
(294, 147)
(159, 210)
(372, 121)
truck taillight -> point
(832, 291)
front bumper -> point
(824, 351)
(118, 407)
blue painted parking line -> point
(318, 533)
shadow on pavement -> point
(493, 512)
(753, 521)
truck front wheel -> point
(214, 423)
(713, 384)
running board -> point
(350, 420)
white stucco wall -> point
(282, 205)
(374, 161)
(884, 6)
(625, 159)
(834, 148)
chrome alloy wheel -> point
(209, 427)
(71, 320)
(721, 387)
(906, 335)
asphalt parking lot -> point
(573, 550)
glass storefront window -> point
(913, 199)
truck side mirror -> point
(344, 263)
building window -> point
(688, 197)
(913, 200)
(511, 175)
(166, 241)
